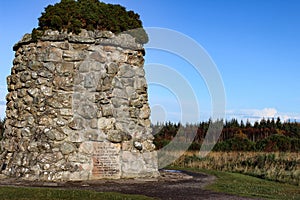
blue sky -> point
(255, 45)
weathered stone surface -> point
(145, 112)
(47, 91)
(78, 158)
(54, 134)
(126, 71)
(112, 68)
(122, 40)
(76, 123)
(67, 148)
(77, 109)
(135, 163)
(86, 147)
(106, 123)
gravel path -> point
(171, 185)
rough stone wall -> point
(77, 109)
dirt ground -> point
(171, 185)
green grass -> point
(22, 193)
(248, 186)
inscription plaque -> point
(106, 160)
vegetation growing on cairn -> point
(72, 16)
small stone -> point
(138, 145)
(34, 75)
(91, 135)
(116, 82)
(33, 92)
(126, 71)
(127, 146)
(76, 124)
(33, 147)
(94, 124)
(98, 57)
(67, 148)
(98, 67)
(140, 84)
(60, 122)
(85, 66)
(139, 71)
(86, 147)
(22, 93)
(148, 145)
(107, 110)
(25, 76)
(87, 110)
(28, 100)
(114, 136)
(55, 55)
(119, 93)
(26, 132)
(49, 66)
(47, 91)
(106, 84)
(106, 123)
(112, 68)
(46, 166)
(66, 67)
(34, 65)
(78, 158)
(54, 134)
(45, 121)
(45, 74)
(66, 112)
(72, 56)
(145, 112)
(90, 81)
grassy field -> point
(282, 167)
(248, 186)
(20, 193)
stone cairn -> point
(77, 109)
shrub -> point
(235, 144)
(295, 145)
(72, 16)
(274, 142)
(161, 143)
(194, 146)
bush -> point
(161, 143)
(295, 145)
(72, 16)
(235, 144)
(274, 142)
(194, 146)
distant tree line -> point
(74, 15)
(264, 135)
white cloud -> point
(256, 115)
